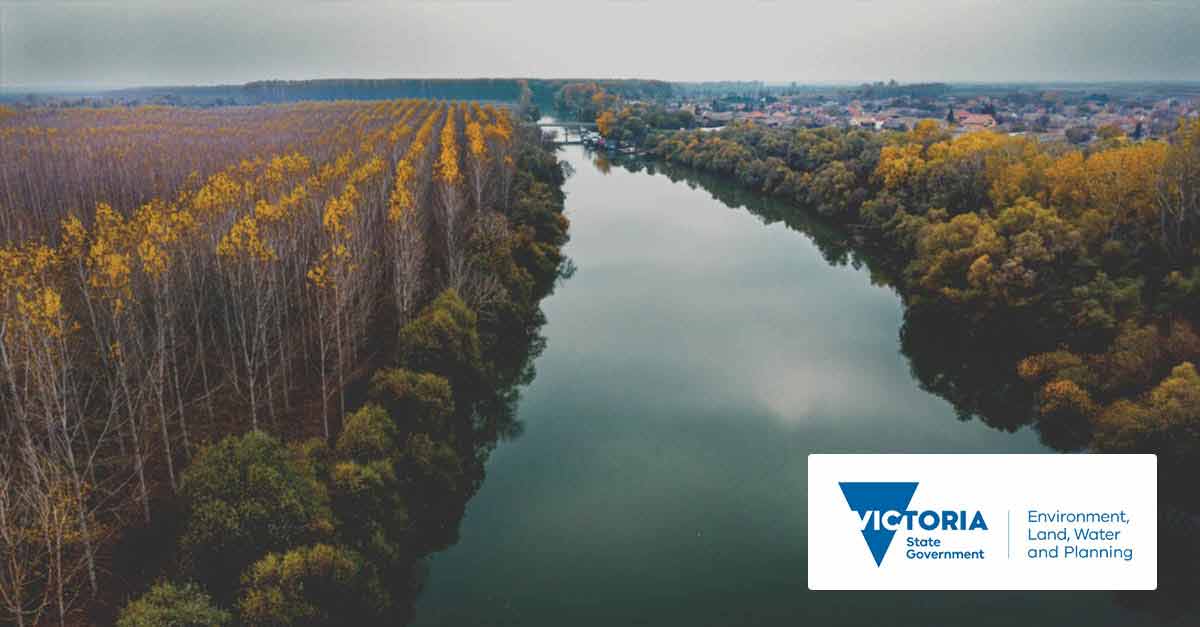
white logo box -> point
(1107, 505)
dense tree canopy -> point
(246, 495)
(171, 605)
(312, 586)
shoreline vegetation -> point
(1042, 284)
(1087, 261)
(255, 358)
(972, 367)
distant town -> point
(1075, 113)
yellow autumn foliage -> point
(448, 171)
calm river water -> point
(694, 360)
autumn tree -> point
(449, 178)
(1179, 187)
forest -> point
(271, 347)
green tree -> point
(173, 605)
(444, 339)
(243, 497)
(366, 495)
(418, 400)
(433, 463)
(1102, 303)
(312, 586)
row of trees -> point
(320, 532)
(157, 299)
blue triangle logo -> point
(878, 497)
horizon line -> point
(113, 87)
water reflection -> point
(694, 360)
(971, 364)
(437, 504)
(968, 362)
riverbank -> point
(1042, 243)
(702, 348)
(1042, 282)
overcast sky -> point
(80, 43)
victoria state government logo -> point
(883, 509)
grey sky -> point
(106, 43)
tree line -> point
(1087, 258)
(506, 90)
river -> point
(693, 361)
